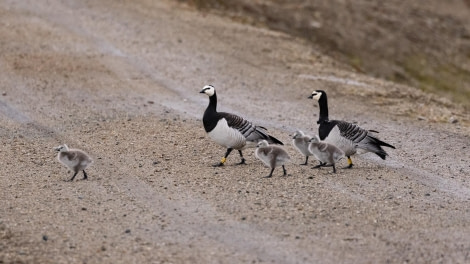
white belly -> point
(228, 137)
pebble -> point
(453, 120)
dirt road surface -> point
(121, 80)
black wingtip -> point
(382, 154)
(386, 145)
(381, 143)
(275, 140)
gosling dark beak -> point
(202, 91)
(310, 97)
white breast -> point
(226, 136)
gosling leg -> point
(73, 177)
(322, 164)
(270, 174)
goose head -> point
(262, 143)
(317, 94)
(297, 134)
(208, 89)
(314, 139)
(62, 148)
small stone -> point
(45, 238)
(453, 120)
(4, 93)
(128, 231)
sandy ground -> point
(120, 80)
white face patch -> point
(316, 95)
(209, 90)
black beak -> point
(202, 91)
(310, 97)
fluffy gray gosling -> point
(272, 155)
(301, 142)
(327, 154)
(75, 159)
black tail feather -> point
(263, 133)
(381, 143)
(382, 154)
(378, 144)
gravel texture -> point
(121, 80)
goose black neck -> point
(211, 116)
(213, 102)
(323, 103)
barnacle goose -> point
(272, 156)
(348, 137)
(229, 130)
(327, 154)
(75, 159)
(301, 142)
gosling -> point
(272, 155)
(327, 154)
(75, 159)
(301, 142)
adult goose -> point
(231, 131)
(348, 137)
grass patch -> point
(445, 79)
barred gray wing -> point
(351, 131)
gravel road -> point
(121, 80)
